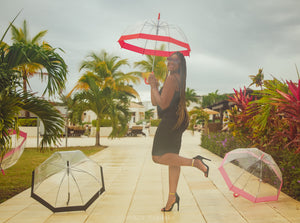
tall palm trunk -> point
(27, 114)
(98, 132)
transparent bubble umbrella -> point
(67, 181)
(148, 37)
(18, 143)
(252, 174)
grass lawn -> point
(18, 177)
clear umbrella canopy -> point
(252, 174)
(67, 181)
(149, 36)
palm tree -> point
(160, 68)
(92, 98)
(190, 96)
(21, 53)
(13, 100)
(149, 113)
(74, 109)
(198, 116)
(212, 98)
(106, 90)
(106, 69)
(56, 76)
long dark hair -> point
(181, 110)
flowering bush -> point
(272, 121)
(222, 142)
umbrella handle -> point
(146, 81)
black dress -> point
(167, 139)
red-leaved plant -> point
(239, 116)
(289, 107)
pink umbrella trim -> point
(155, 52)
(24, 135)
(245, 194)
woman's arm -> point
(154, 86)
(153, 101)
(164, 100)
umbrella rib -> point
(250, 176)
(146, 40)
(77, 186)
(260, 179)
(60, 186)
(157, 29)
(168, 34)
(243, 173)
(82, 171)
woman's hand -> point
(152, 80)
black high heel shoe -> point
(176, 201)
(201, 158)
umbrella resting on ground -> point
(252, 174)
(67, 181)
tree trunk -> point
(27, 114)
(98, 132)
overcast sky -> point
(229, 39)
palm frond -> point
(49, 115)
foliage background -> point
(268, 119)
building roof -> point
(136, 105)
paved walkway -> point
(136, 189)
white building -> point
(137, 111)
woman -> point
(171, 108)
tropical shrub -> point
(239, 117)
(289, 108)
(222, 142)
(198, 117)
(272, 121)
(27, 122)
(141, 122)
(103, 123)
(155, 122)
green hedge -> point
(142, 121)
(155, 122)
(103, 123)
(27, 121)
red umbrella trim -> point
(162, 53)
